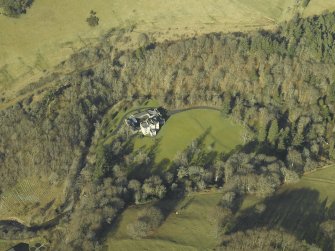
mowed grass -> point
(220, 134)
(30, 201)
(190, 229)
(52, 30)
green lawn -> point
(190, 229)
(220, 134)
(147, 245)
(298, 208)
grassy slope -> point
(316, 7)
(182, 128)
(322, 181)
(189, 230)
(298, 208)
(51, 30)
(30, 200)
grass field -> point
(191, 229)
(318, 6)
(52, 30)
(299, 208)
(322, 181)
(30, 201)
(220, 134)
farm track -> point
(328, 181)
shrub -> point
(137, 230)
(14, 8)
(92, 20)
(147, 220)
(305, 3)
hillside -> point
(26, 56)
(296, 207)
(71, 169)
(191, 229)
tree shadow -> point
(169, 205)
(112, 228)
(162, 166)
(299, 212)
(206, 158)
(331, 211)
(255, 146)
(144, 170)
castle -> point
(147, 123)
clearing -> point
(220, 134)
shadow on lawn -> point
(167, 206)
(299, 212)
(145, 169)
(149, 167)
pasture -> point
(316, 7)
(33, 44)
(298, 208)
(322, 181)
(190, 229)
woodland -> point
(279, 84)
